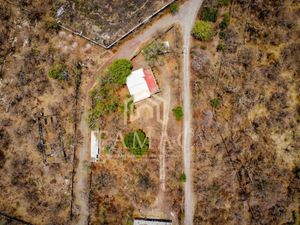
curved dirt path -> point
(185, 17)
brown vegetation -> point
(247, 149)
(37, 133)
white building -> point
(141, 84)
(151, 222)
(95, 150)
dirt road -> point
(185, 17)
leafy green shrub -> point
(222, 35)
(104, 101)
(107, 149)
(221, 47)
(210, 14)
(154, 50)
(103, 96)
(137, 142)
(203, 47)
(174, 7)
(203, 30)
(50, 24)
(224, 2)
(225, 22)
(215, 103)
(182, 177)
(119, 70)
(178, 112)
(58, 71)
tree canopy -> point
(119, 70)
(137, 142)
(203, 30)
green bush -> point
(119, 70)
(224, 2)
(58, 71)
(107, 149)
(103, 96)
(178, 112)
(104, 101)
(137, 142)
(215, 103)
(210, 14)
(222, 35)
(225, 22)
(50, 24)
(174, 7)
(203, 30)
(182, 177)
(203, 47)
(221, 47)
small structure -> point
(146, 221)
(167, 46)
(141, 84)
(95, 153)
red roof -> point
(151, 82)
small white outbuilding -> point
(147, 221)
(95, 153)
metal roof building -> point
(146, 221)
(141, 84)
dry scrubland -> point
(246, 116)
(106, 21)
(36, 180)
(124, 186)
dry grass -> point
(246, 150)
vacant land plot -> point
(106, 21)
(124, 186)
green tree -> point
(215, 103)
(174, 7)
(222, 35)
(203, 30)
(119, 70)
(103, 96)
(178, 112)
(224, 2)
(225, 22)
(182, 177)
(50, 24)
(137, 142)
(221, 47)
(210, 14)
(58, 71)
